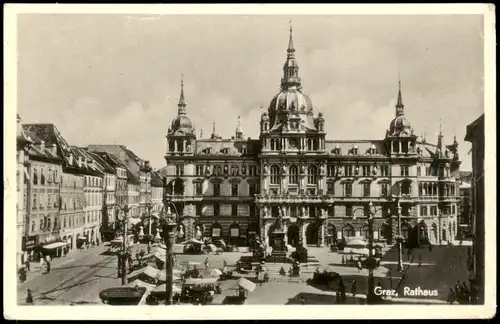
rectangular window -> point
(404, 171)
(216, 209)
(366, 170)
(348, 170)
(199, 209)
(348, 210)
(179, 170)
(331, 170)
(419, 171)
(252, 170)
(198, 188)
(49, 200)
(384, 189)
(384, 170)
(366, 189)
(423, 210)
(216, 189)
(199, 170)
(234, 210)
(252, 189)
(348, 189)
(427, 171)
(330, 188)
(252, 211)
(234, 189)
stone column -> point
(184, 144)
(400, 146)
(285, 228)
(322, 238)
(175, 145)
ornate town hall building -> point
(236, 188)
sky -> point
(115, 79)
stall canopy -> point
(356, 243)
(55, 245)
(246, 284)
(162, 288)
(162, 276)
(200, 281)
(140, 283)
(149, 271)
(193, 241)
(134, 220)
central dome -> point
(182, 124)
(400, 125)
(292, 100)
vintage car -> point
(122, 295)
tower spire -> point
(291, 49)
(399, 104)
(291, 68)
(214, 134)
(182, 102)
(440, 136)
(239, 131)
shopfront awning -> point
(200, 281)
(55, 245)
(246, 284)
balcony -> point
(287, 198)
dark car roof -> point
(122, 292)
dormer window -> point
(225, 150)
(372, 149)
(355, 150)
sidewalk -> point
(72, 256)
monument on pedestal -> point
(279, 244)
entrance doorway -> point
(293, 235)
(312, 234)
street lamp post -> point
(169, 227)
(122, 257)
(400, 239)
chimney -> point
(71, 158)
(80, 161)
(42, 146)
(54, 149)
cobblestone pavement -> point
(80, 276)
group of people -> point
(461, 293)
(353, 262)
(87, 245)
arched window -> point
(366, 231)
(294, 174)
(348, 231)
(275, 171)
(42, 176)
(312, 174)
(35, 176)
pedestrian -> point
(430, 247)
(302, 300)
(451, 296)
(359, 266)
(353, 288)
(206, 263)
(266, 277)
(337, 297)
(97, 241)
(48, 267)
(27, 264)
(29, 297)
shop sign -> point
(29, 242)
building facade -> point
(321, 189)
(108, 204)
(43, 194)
(93, 183)
(156, 193)
(475, 135)
(22, 184)
(465, 205)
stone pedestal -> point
(279, 246)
